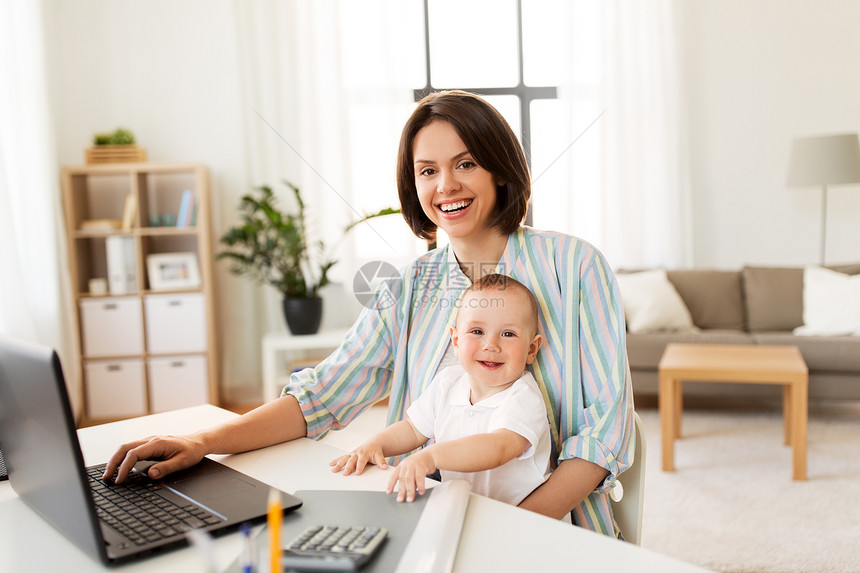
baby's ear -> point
(452, 330)
(534, 346)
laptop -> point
(46, 469)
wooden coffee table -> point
(751, 364)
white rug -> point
(731, 504)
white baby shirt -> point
(443, 412)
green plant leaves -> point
(120, 136)
(271, 247)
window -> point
(538, 63)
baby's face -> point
(495, 336)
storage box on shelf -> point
(149, 344)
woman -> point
(461, 169)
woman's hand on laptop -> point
(173, 452)
(357, 460)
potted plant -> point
(118, 146)
(272, 247)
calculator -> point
(333, 548)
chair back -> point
(628, 511)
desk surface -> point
(496, 536)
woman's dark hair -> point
(489, 139)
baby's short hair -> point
(498, 281)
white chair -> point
(628, 511)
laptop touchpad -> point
(208, 486)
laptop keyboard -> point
(137, 511)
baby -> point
(487, 415)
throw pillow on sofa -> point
(831, 303)
(651, 303)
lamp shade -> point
(825, 160)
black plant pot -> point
(303, 314)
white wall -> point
(757, 74)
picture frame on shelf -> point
(173, 271)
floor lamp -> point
(822, 161)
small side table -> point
(281, 347)
(751, 364)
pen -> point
(247, 549)
(276, 515)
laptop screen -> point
(38, 432)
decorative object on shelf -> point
(173, 271)
(272, 247)
(98, 286)
(822, 161)
(162, 220)
(116, 147)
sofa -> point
(816, 309)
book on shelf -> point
(186, 208)
(128, 211)
(100, 225)
(121, 265)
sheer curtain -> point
(35, 297)
(608, 160)
(325, 89)
(646, 195)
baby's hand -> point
(410, 473)
(357, 460)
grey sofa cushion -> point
(774, 298)
(821, 353)
(714, 298)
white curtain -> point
(35, 297)
(324, 99)
(645, 207)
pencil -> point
(276, 515)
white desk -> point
(496, 537)
(280, 347)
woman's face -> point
(456, 193)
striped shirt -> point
(394, 350)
